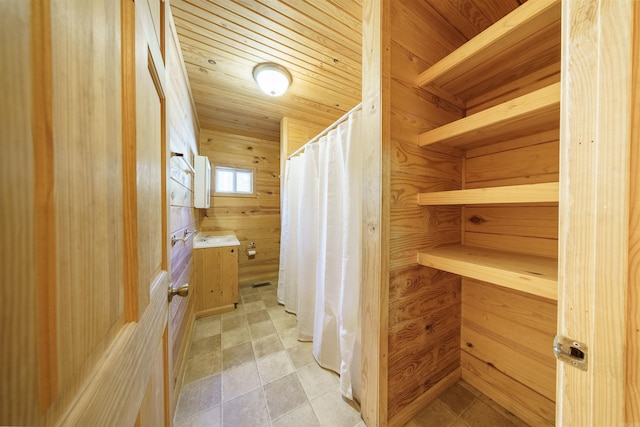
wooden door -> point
(598, 298)
(84, 323)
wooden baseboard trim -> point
(217, 310)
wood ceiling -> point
(318, 41)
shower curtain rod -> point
(318, 136)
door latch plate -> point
(571, 351)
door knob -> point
(181, 291)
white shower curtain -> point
(320, 249)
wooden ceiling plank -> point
(290, 18)
(241, 44)
(300, 109)
(353, 8)
(326, 12)
(223, 54)
(334, 96)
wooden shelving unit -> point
(526, 38)
(526, 193)
(531, 113)
(531, 274)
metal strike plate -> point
(571, 352)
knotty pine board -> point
(506, 342)
(251, 219)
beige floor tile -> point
(231, 323)
(198, 396)
(258, 316)
(279, 312)
(247, 290)
(302, 416)
(261, 329)
(205, 345)
(284, 395)
(285, 322)
(203, 366)
(457, 398)
(435, 414)
(289, 337)
(209, 418)
(333, 411)
(206, 327)
(239, 380)
(254, 306)
(266, 345)
(316, 380)
(248, 409)
(235, 337)
(274, 366)
(301, 355)
(238, 311)
(237, 355)
(479, 414)
(251, 298)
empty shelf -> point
(526, 273)
(520, 39)
(529, 114)
(526, 193)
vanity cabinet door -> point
(229, 272)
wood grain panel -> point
(251, 219)
(183, 138)
(530, 78)
(150, 152)
(533, 162)
(632, 405)
(526, 221)
(320, 44)
(88, 202)
(19, 341)
(593, 235)
(531, 407)
(470, 18)
(424, 305)
(376, 118)
(512, 332)
(520, 244)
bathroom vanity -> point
(215, 275)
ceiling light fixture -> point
(272, 79)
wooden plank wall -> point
(632, 403)
(424, 304)
(496, 357)
(294, 133)
(183, 132)
(251, 219)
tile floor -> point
(246, 368)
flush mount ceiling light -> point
(272, 79)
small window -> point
(235, 181)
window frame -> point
(235, 169)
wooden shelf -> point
(517, 41)
(526, 273)
(526, 193)
(534, 112)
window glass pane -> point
(224, 180)
(244, 182)
(234, 181)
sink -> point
(205, 240)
